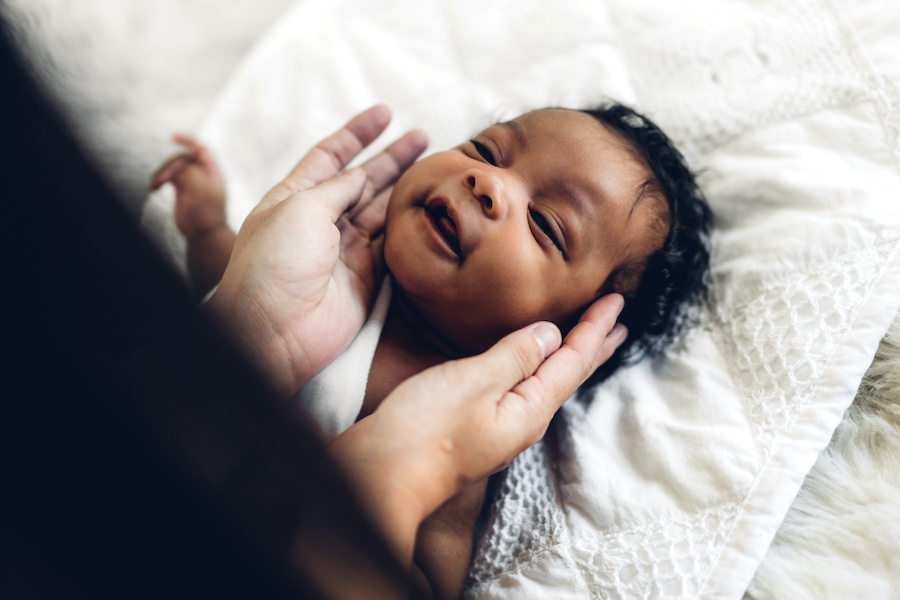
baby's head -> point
(536, 218)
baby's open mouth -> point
(445, 225)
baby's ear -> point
(623, 280)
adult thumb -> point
(510, 361)
(336, 195)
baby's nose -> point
(488, 190)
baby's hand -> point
(199, 188)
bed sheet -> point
(673, 481)
(126, 74)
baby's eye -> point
(485, 152)
(544, 225)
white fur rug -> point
(841, 538)
(128, 73)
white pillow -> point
(674, 479)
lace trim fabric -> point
(780, 341)
(664, 559)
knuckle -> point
(587, 364)
(537, 433)
(332, 154)
(293, 184)
(524, 359)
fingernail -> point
(547, 337)
(422, 137)
(621, 303)
(618, 334)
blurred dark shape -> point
(142, 456)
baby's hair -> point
(658, 309)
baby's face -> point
(523, 223)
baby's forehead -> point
(575, 133)
(578, 146)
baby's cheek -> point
(516, 292)
(397, 260)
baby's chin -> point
(442, 330)
(470, 345)
(459, 337)
(454, 329)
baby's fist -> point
(199, 188)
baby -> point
(530, 220)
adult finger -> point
(370, 220)
(332, 154)
(384, 168)
(335, 196)
(590, 343)
(507, 363)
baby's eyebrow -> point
(517, 130)
(575, 194)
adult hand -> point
(463, 420)
(307, 262)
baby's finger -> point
(331, 155)
(189, 142)
(169, 170)
(384, 168)
(201, 153)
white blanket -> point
(335, 395)
(674, 479)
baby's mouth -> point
(443, 222)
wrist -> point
(194, 236)
(385, 488)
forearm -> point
(442, 559)
(444, 542)
(413, 498)
(207, 257)
(436, 545)
(344, 561)
(391, 506)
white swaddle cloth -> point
(335, 396)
